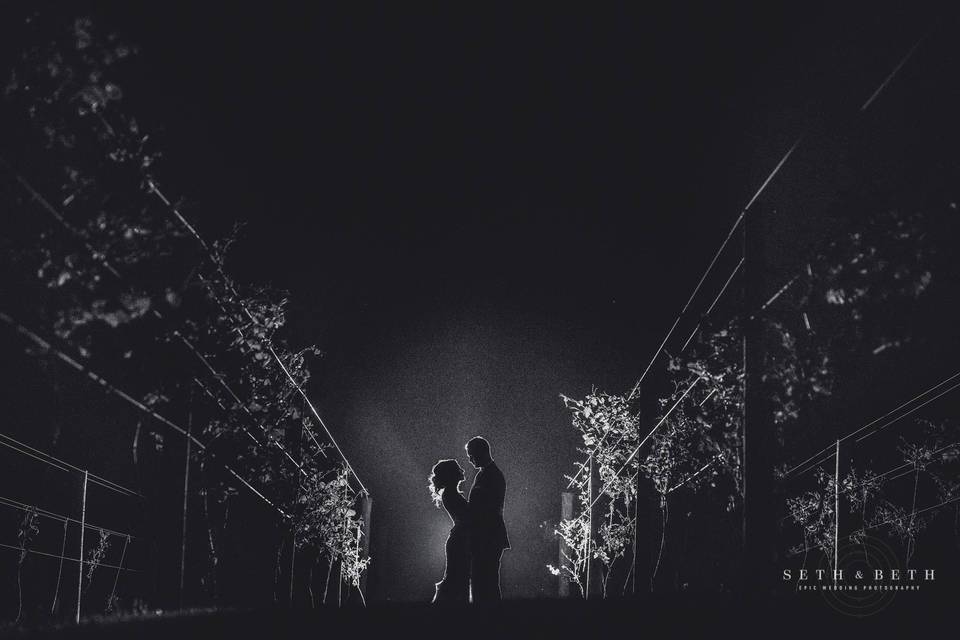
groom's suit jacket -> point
(486, 507)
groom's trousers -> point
(485, 574)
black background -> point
(476, 209)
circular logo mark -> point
(863, 596)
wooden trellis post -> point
(636, 510)
(566, 513)
(842, 465)
(340, 579)
(836, 512)
(366, 512)
(294, 437)
(759, 527)
(186, 489)
(588, 543)
(83, 526)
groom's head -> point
(478, 451)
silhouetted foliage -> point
(125, 283)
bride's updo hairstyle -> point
(446, 473)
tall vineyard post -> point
(83, 526)
(366, 524)
(566, 513)
(759, 536)
(110, 134)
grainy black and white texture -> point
(333, 243)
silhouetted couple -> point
(478, 536)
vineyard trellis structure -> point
(755, 466)
(83, 560)
(362, 497)
(309, 487)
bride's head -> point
(446, 473)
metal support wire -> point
(110, 388)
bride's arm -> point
(455, 504)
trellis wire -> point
(866, 105)
(896, 69)
(884, 426)
(884, 416)
(912, 514)
(63, 549)
(875, 479)
(23, 506)
(116, 579)
(99, 257)
(713, 304)
(217, 376)
(776, 295)
(647, 437)
(682, 349)
(726, 240)
(156, 191)
(68, 558)
(709, 268)
(743, 213)
(313, 409)
(692, 476)
(589, 459)
(680, 484)
(925, 403)
(83, 522)
(110, 388)
(57, 463)
(836, 512)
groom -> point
(489, 533)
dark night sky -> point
(475, 211)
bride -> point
(445, 488)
